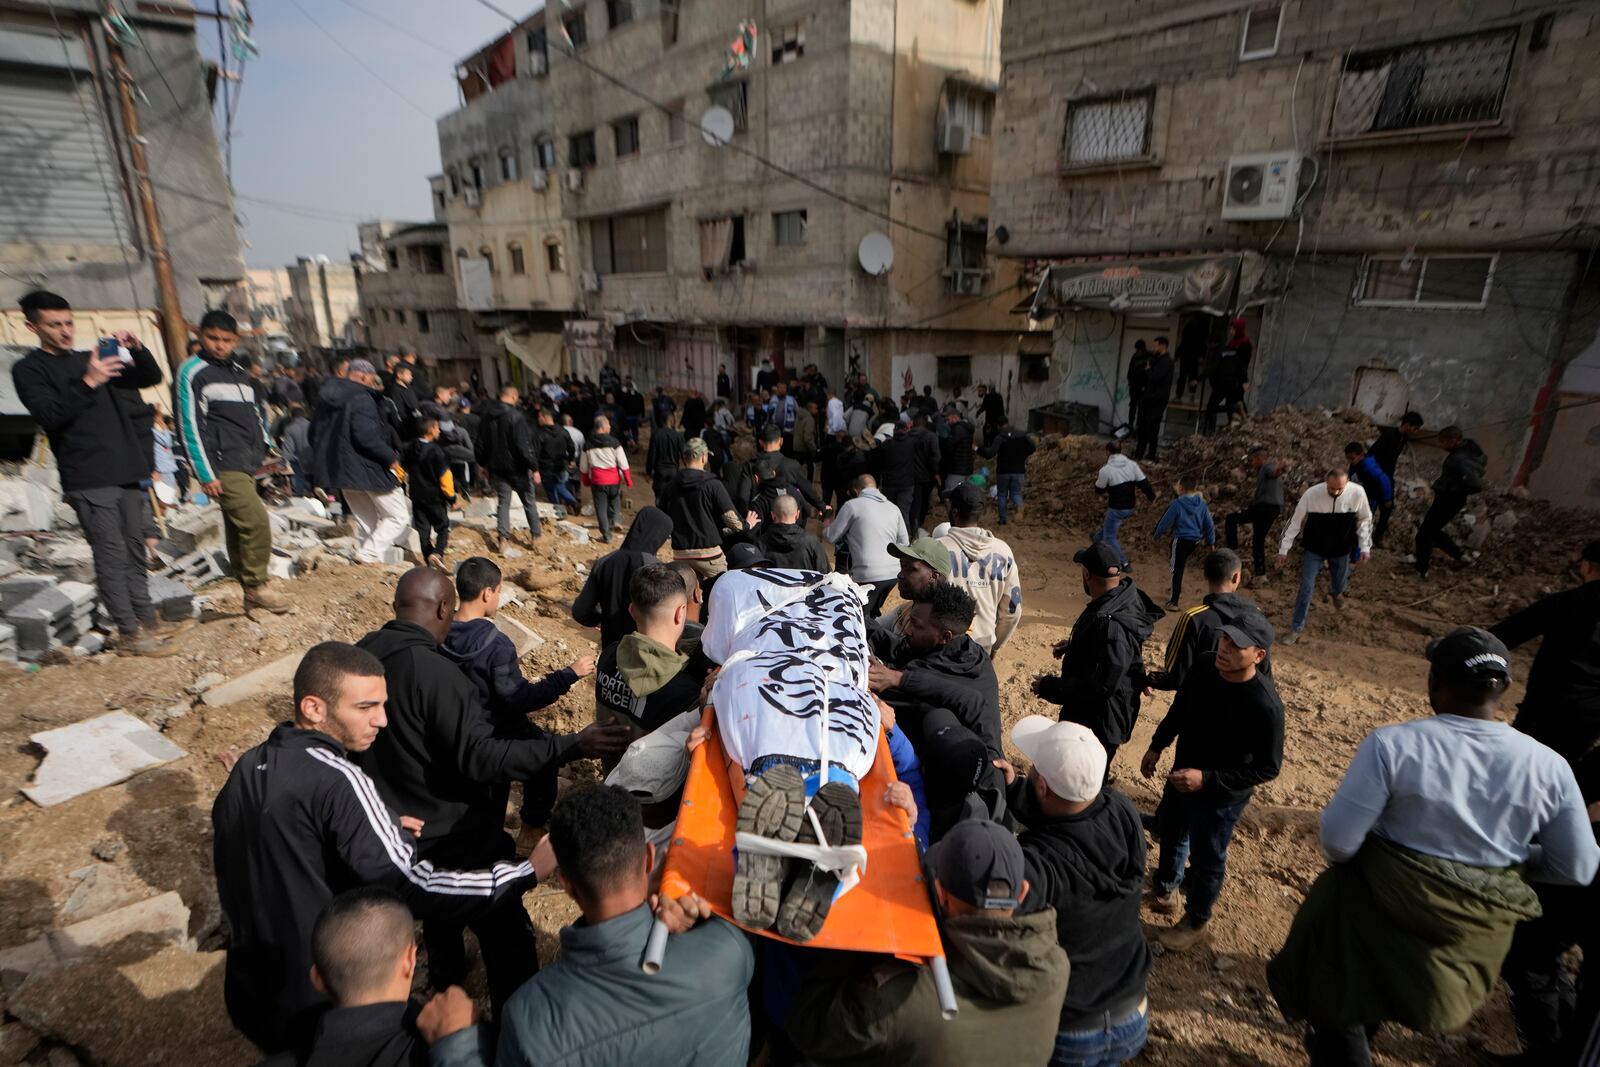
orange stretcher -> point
(888, 912)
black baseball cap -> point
(1101, 560)
(973, 854)
(1250, 630)
(1469, 654)
(744, 554)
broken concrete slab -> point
(309, 504)
(574, 531)
(160, 1011)
(95, 753)
(25, 506)
(273, 677)
(281, 565)
(172, 598)
(164, 918)
(103, 887)
(22, 587)
(300, 518)
(524, 639)
(193, 529)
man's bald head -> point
(785, 510)
(427, 598)
(865, 482)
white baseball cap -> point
(1067, 755)
(656, 765)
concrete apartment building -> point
(1399, 194)
(70, 219)
(324, 307)
(409, 301)
(650, 247)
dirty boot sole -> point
(774, 806)
(805, 905)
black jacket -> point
(404, 399)
(789, 545)
(925, 455)
(1230, 731)
(350, 448)
(1102, 673)
(1089, 867)
(439, 759)
(766, 474)
(603, 600)
(1196, 634)
(506, 445)
(895, 463)
(956, 455)
(1157, 382)
(698, 503)
(694, 416)
(1387, 448)
(1561, 707)
(556, 452)
(295, 824)
(666, 452)
(1011, 451)
(373, 1035)
(958, 676)
(426, 464)
(220, 416)
(1463, 470)
(489, 660)
(725, 387)
(91, 431)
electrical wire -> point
(397, 28)
(358, 61)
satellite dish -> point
(876, 254)
(716, 126)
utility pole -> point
(173, 327)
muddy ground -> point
(1354, 671)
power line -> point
(385, 21)
(358, 61)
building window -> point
(964, 269)
(577, 30)
(428, 259)
(393, 256)
(544, 153)
(454, 181)
(554, 260)
(627, 135)
(518, 264)
(1108, 129)
(538, 52)
(1035, 367)
(438, 198)
(422, 322)
(400, 316)
(969, 107)
(789, 44)
(477, 176)
(487, 255)
(721, 244)
(1262, 28)
(954, 372)
(386, 315)
(619, 13)
(580, 149)
(509, 168)
(1442, 83)
(675, 123)
(635, 243)
(735, 97)
(1413, 281)
(789, 227)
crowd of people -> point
(1461, 847)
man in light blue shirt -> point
(1431, 833)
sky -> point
(315, 130)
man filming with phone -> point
(88, 404)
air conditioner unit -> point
(588, 281)
(970, 283)
(539, 179)
(954, 139)
(1261, 186)
(470, 194)
(574, 181)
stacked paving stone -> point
(57, 616)
(8, 643)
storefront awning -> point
(1152, 286)
(539, 352)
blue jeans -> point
(1008, 492)
(559, 492)
(1339, 577)
(1197, 830)
(1115, 517)
(1111, 1043)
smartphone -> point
(110, 348)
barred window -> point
(953, 372)
(1441, 83)
(634, 243)
(1108, 129)
(1425, 281)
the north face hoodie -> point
(641, 681)
(985, 566)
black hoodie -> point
(958, 676)
(372, 1035)
(1463, 469)
(506, 445)
(603, 601)
(439, 759)
(1196, 634)
(350, 444)
(788, 544)
(1089, 867)
(697, 501)
(1103, 671)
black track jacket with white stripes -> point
(296, 824)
